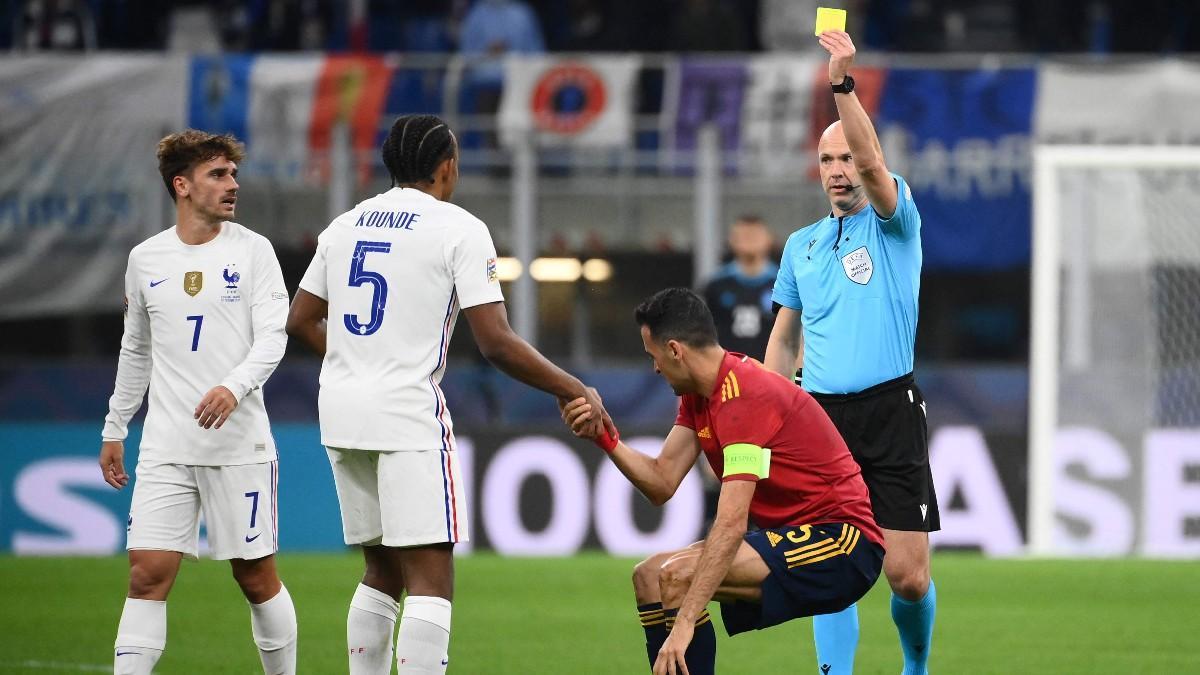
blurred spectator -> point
(739, 295)
(787, 25)
(275, 25)
(490, 30)
(589, 27)
(54, 25)
(493, 28)
(706, 26)
(132, 24)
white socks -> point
(274, 626)
(423, 643)
(369, 630)
(141, 636)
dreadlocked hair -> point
(415, 147)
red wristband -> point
(607, 442)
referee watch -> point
(845, 87)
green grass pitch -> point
(576, 615)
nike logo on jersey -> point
(445, 662)
(155, 283)
(250, 539)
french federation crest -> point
(193, 282)
(858, 265)
(231, 278)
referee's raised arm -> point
(865, 150)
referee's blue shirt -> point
(856, 294)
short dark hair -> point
(677, 314)
(750, 219)
(415, 147)
(179, 153)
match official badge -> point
(858, 265)
(492, 275)
(193, 282)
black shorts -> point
(885, 428)
(815, 569)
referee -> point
(847, 300)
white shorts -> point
(239, 504)
(400, 498)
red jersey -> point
(811, 477)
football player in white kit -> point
(204, 329)
(390, 276)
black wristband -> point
(799, 376)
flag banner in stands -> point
(961, 138)
(286, 108)
(1152, 101)
(79, 185)
(583, 102)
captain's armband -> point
(746, 459)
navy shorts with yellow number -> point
(815, 569)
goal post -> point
(1114, 337)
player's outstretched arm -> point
(785, 346)
(865, 150)
(307, 320)
(506, 350)
(656, 477)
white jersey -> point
(198, 317)
(395, 270)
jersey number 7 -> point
(360, 276)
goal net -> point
(1115, 352)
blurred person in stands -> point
(490, 30)
(205, 311)
(739, 294)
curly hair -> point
(180, 153)
(415, 147)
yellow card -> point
(830, 19)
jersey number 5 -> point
(360, 276)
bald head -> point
(832, 134)
(839, 176)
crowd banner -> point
(776, 116)
(709, 91)
(285, 108)
(585, 102)
(961, 138)
(79, 184)
(1152, 101)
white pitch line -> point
(60, 666)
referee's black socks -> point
(701, 655)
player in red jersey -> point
(784, 468)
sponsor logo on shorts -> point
(773, 538)
(924, 510)
(250, 539)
